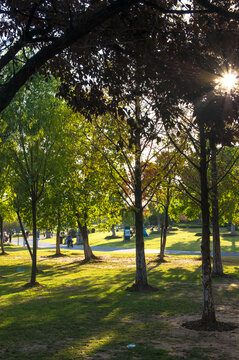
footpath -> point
(45, 245)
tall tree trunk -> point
(208, 315)
(58, 248)
(158, 222)
(165, 227)
(233, 229)
(84, 232)
(164, 234)
(1, 229)
(34, 253)
(141, 281)
(113, 230)
(23, 232)
(217, 260)
(161, 237)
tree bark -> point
(164, 234)
(165, 227)
(217, 260)
(141, 281)
(208, 315)
(161, 237)
(113, 230)
(233, 229)
(79, 239)
(58, 248)
(84, 231)
(1, 229)
(158, 222)
(34, 230)
(23, 232)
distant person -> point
(69, 240)
(10, 236)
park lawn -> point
(82, 311)
(180, 239)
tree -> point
(126, 141)
(6, 213)
(5, 208)
(51, 29)
(210, 120)
(166, 169)
(227, 173)
(54, 208)
(48, 29)
(90, 191)
(38, 118)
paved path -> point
(45, 245)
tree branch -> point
(70, 36)
(217, 9)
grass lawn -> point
(83, 311)
(181, 239)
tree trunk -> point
(23, 232)
(58, 248)
(164, 235)
(217, 260)
(34, 253)
(1, 229)
(141, 281)
(79, 239)
(84, 232)
(165, 228)
(158, 221)
(161, 237)
(233, 229)
(208, 315)
(113, 230)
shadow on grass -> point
(234, 243)
(53, 326)
(14, 248)
(153, 264)
(193, 245)
(87, 312)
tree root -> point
(141, 288)
(57, 255)
(200, 325)
(222, 275)
(160, 261)
(92, 259)
(30, 285)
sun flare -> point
(228, 80)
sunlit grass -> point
(83, 311)
(180, 239)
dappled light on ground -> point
(84, 312)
